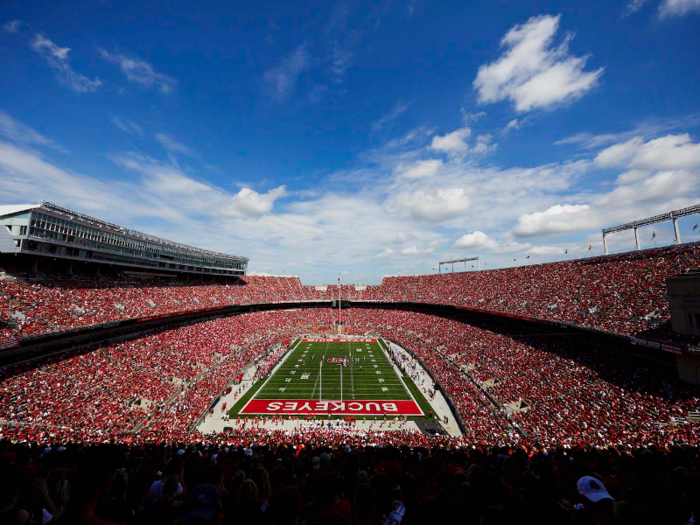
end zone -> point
(334, 408)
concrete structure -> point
(684, 304)
(48, 230)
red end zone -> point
(335, 408)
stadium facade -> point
(47, 230)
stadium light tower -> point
(635, 225)
(465, 261)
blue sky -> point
(320, 138)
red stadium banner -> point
(338, 340)
(335, 408)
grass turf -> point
(299, 377)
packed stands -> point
(35, 306)
(623, 293)
(158, 386)
(164, 381)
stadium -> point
(114, 336)
(350, 263)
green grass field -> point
(368, 376)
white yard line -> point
(352, 376)
(272, 373)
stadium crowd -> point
(299, 479)
(572, 395)
(161, 383)
(508, 387)
(622, 293)
(554, 433)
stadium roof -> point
(9, 209)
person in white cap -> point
(597, 502)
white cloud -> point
(399, 109)
(452, 143)
(646, 128)
(127, 125)
(140, 72)
(513, 124)
(12, 26)
(386, 254)
(484, 145)
(479, 240)
(249, 203)
(547, 250)
(556, 219)
(282, 78)
(532, 72)
(512, 247)
(633, 7)
(419, 170)
(434, 205)
(671, 152)
(650, 194)
(17, 131)
(172, 145)
(475, 241)
(619, 154)
(403, 237)
(57, 59)
(427, 250)
(678, 7)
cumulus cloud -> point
(477, 240)
(556, 219)
(140, 72)
(282, 78)
(484, 144)
(533, 73)
(386, 254)
(452, 143)
(249, 203)
(671, 152)
(57, 59)
(678, 7)
(619, 154)
(419, 170)
(433, 205)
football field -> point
(337, 378)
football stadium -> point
(337, 263)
